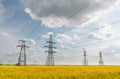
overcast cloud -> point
(56, 13)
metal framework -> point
(101, 63)
(85, 61)
(22, 55)
(50, 58)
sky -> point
(76, 25)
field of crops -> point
(59, 72)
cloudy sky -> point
(76, 25)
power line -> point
(82, 10)
(87, 32)
(70, 15)
(54, 7)
(112, 23)
(32, 31)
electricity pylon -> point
(50, 58)
(22, 55)
(101, 63)
(85, 61)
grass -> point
(59, 72)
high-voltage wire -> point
(54, 7)
(50, 11)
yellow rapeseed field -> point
(59, 72)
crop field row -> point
(59, 72)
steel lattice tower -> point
(50, 58)
(22, 55)
(85, 61)
(101, 59)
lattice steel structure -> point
(50, 58)
(101, 63)
(22, 55)
(85, 61)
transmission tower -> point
(50, 58)
(22, 54)
(101, 63)
(85, 61)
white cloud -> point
(64, 47)
(69, 12)
(105, 27)
(47, 35)
(53, 22)
(32, 15)
(99, 36)
(102, 33)
(76, 37)
(62, 38)
(2, 33)
(32, 41)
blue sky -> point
(94, 26)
